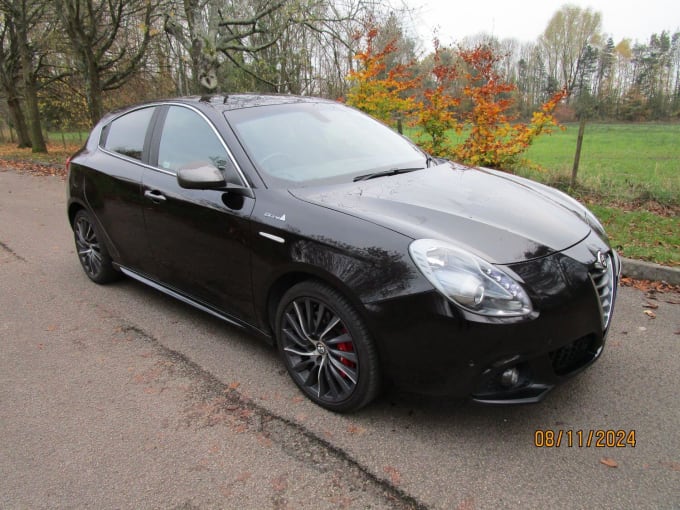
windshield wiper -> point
(391, 171)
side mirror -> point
(202, 177)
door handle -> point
(155, 196)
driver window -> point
(188, 141)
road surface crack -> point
(11, 252)
(220, 402)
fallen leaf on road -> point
(395, 476)
(466, 504)
(242, 477)
(34, 168)
(653, 306)
(650, 314)
(280, 483)
(650, 287)
(264, 440)
(675, 466)
(609, 462)
(355, 429)
(234, 385)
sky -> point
(525, 20)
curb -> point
(642, 270)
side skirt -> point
(192, 302)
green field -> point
(619, 162)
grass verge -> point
(640, 234)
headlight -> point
(469, 281)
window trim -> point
(151, 126)
(152, 137)
(158, 131)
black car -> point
(363, 259)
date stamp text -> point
(597, 438)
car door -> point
(112, 190)
(199, 238)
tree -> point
(565, 41)
(207, 32)
(25, 16)
(654, 74)
(109, 39)
(532, 79)
(378, 90)
(435, 115)
(10, 78)
(604, 83)
(294, 46)
(494, 139)
(569, 41)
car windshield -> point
(303, 144)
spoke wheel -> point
(326, 348)
(92, 253)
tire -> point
(326, 347)
(92, 253)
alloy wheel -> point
(319, 350)
(87, 244)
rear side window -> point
(126, 134)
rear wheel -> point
(326, 347)
(94, 258)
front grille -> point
(573, 356)
(604, 281)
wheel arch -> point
(73, 209)
(283, 282)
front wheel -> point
(326, 347)
(94, 258)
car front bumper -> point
(428, 345)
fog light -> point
(509, 377)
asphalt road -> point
(119, 397)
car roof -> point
(224, 102)
(219, 102)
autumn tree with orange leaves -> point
(382, 93)
(435, 115)
(495, 138)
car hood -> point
(505, 220)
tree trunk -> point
(93, 92)
(30, 91)
(19, 122)
(577, 156)
(37, 139)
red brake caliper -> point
(346, 347)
